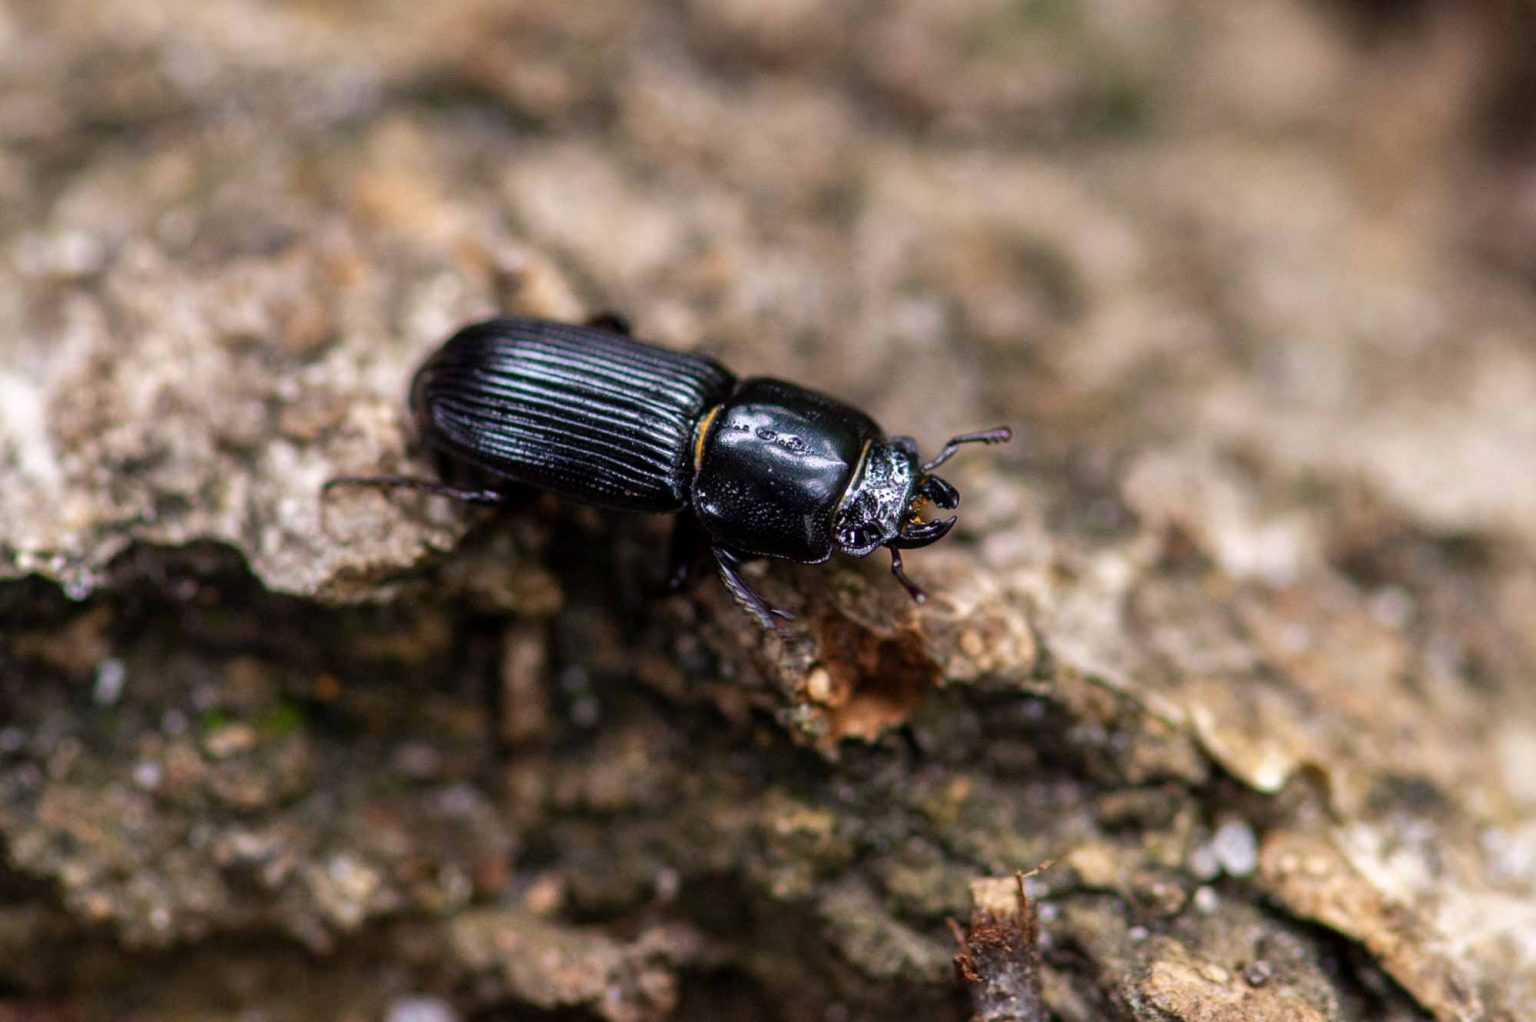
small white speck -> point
(1203, 864)
(78, 585)
(1236, 848)
(420, 1009)
(1206, 900)
(148, 774)
(111, 673)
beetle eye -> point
(858, 537)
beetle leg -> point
(431, 486)
(683, 551)
(745, 595)
(1000, 435)
(912, 587)
(613, 322)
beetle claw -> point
(922, 534)
(940, 492)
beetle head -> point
(882, 507)
(877, 504)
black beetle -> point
(767, 468)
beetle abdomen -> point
(588, 414)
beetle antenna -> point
(431, 486)
(912, 587)
(1000, 435)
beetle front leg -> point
(742, 590)
(913, 589)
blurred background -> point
(1299, 232)
(1255, 282)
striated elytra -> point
(755, 468)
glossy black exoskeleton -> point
(756, 467)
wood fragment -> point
(999, 960)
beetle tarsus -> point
(613, 322)
(913, 589)
(745, 595)
(1000, 435)
(429, 486)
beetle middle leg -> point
(745, 595)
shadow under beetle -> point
(757, 467)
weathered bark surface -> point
(1241, 633)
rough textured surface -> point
(1239, 633)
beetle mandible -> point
(755, 467)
